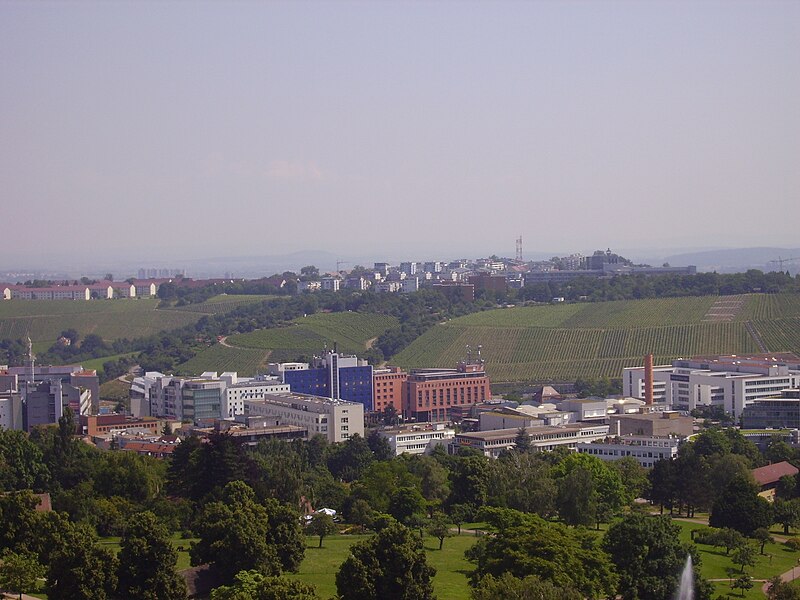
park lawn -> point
(715, 562)
(450, 583)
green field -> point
(563, 342)
(222, 303)
(308, 335)
(246, 361)
(44, 320)
(450, 583)
(777, 559)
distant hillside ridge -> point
(566, 341)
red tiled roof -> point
(772, 473)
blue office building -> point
(334, 376)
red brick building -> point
(387, 388)
(485, 281)
(430, 393)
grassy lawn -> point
(321, 564)
(777, 559)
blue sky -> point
(180, 130)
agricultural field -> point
(44, 320)
(308, 335)
(221, 304)
(246, 361)
(563, 342)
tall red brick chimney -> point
(648, 379)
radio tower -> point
(519, 249)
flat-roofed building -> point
(775, 413)
(652, 424)
(338, 420)
(646, 450)
(493, 443)
(417, 439)
(729, 381)
(430, 394)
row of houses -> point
(100, 290)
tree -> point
(21, 462)
(522, 443)
(469, 481)
(309, 273)
(526, 544)
(744, 555)
(360, 513)
(440, 529)
(406, 502)
(252, 585)
(322, 525)
(147, 561)
(19, 572)
(389, 566)
(529, 588)
(577, 498)
(80, 569)
(460, 514)
(632, 475)
(743, 582)
(763, 537)
(741, 508)
(649, 556)
(234, 535)
(782, 590)
(786, 513)
(379, 445)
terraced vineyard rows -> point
(524, 346)
(780, 335)
(246, 361)
(763, 307)
(221, 304)
(308, 335)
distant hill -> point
(735, 260)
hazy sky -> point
(180, 130)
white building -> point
(417, 439)
(10, 410)
(209, 396)
(250, 389)
(493, 443)
(731, 382)
(336, 419)
(646, 450)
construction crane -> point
(339, 264)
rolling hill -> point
(563, 342)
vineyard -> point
(563, 342)
(44, 320)
(221, 304)
(246, 361)
(308, 335)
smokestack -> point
(648, 379)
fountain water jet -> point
(686, 587)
